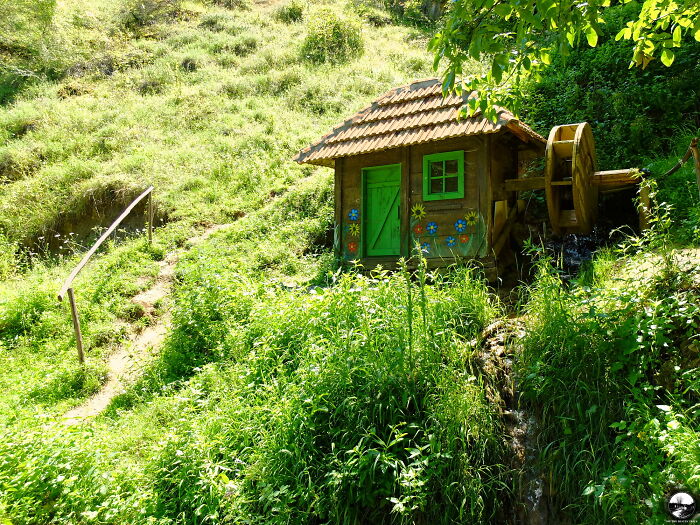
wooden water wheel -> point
(572, 184)
(572, 193)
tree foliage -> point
(518, 39)
(635, 113)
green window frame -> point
(443, 176)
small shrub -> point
(377, 18)
(244, 45)
(233, 4)
(290, 13)
(154, 79)
(315, 98)
(236, 89)
(220, 21)
(189, 64)
(332, 38)
(136, 14)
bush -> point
(369, 410)
(634, 112)
(136, 14)
(232, 4)
(608, 369)
(332, 38)
(290, 12)
(50, 476)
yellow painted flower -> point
(472, 217)
(354, 230)
(418, 211)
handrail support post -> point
(150, 218)
(76, 326)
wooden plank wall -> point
(445, 213)
(488, 161)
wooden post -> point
(696, 157)
(150, 218)
(76, 326)
(644, 207)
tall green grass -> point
(606, 366)
(348, 403)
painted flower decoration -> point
(352, 246)
(464, 239)
(418, 229)
(451, 241)
(354, 230)
(354, 214)
(460, 225)
(471, 217)
(418, 211)
(432, 228)
(425, 247)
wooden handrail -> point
(67, 287)
(91, 251)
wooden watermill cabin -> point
(409, 173)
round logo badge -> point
(680, 505)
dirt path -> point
(126, 363)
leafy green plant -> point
(634, 113)
(290, 12)
(137, 14)
(603, 435)
(331, 38)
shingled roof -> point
(406, 115)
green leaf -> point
(591, 36)
(502, 10)
(697, 35)
(677, 36)
(496, 72)
(625, 33)
(667, 57)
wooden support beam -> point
(505, 231)
(530, 183)
(644, 207)
(616, 177)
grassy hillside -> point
(285, 391)
(205, 102)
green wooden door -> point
(382, 223)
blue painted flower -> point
(431, 228)
(354, 214)
(460, 225)
(451, 241)
(425, 247)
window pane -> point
(451, 184)
(436, 169)
(436, 186)
(451, 167)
